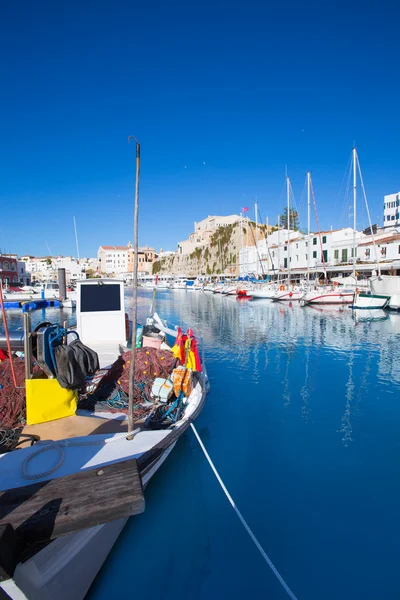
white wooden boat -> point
(64, 568)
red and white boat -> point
(288, 294)
(328, 296)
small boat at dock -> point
(72, 452)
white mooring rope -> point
(242, 519)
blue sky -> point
(221, 96)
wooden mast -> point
(134, 291)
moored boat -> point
(369, 300)
(328, 296)
(91, 443)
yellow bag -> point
(47, 401)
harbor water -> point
(303, 424)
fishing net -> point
(108, 390)
(12, 401)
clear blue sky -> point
(221, 96)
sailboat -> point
(322, 294)
(288, 292)
(365, 299)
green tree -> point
(294, 223)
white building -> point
(23, 277)
(113, 259)
(324, 250)
(391, 210)
(119, 260)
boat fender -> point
(282, 287)
(290, 294)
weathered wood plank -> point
(50, 509)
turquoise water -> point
(303, 423)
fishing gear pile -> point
(108, 390)
(12, 401)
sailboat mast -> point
(308, 223)
(288, 226)
(76, 239)
(279, 245)
(354, 208)
(256, 210)
(267, 249)
(240, 242)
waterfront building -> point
(9, 269)
(391, 210)
(119, 260)
(328, 250)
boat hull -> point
(47, 575)
(329, 298)
(287, 296)
(261, 294)
(394, 302)
(370, 301)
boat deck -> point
(74, 426)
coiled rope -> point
(59, 447)
(243, 521)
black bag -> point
(74, 362)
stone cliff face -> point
(220, 255)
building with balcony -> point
(327, 250)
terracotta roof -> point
(114, 247)
(390, 238)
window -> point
(399, 250)
(325, 253)
(6, 265)
(285, 248)
(273, 253)
(314, 241)
(324, 239)
(285, 263)
(306, 256)
(344, 255)
(336, 254)
(297, 257)
(297, 246)
(306, 244)
(314, 254)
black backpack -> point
(73, 363)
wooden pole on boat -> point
(134, 294)
(3, 312)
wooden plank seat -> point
(49, 509)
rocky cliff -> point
(219, 255)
